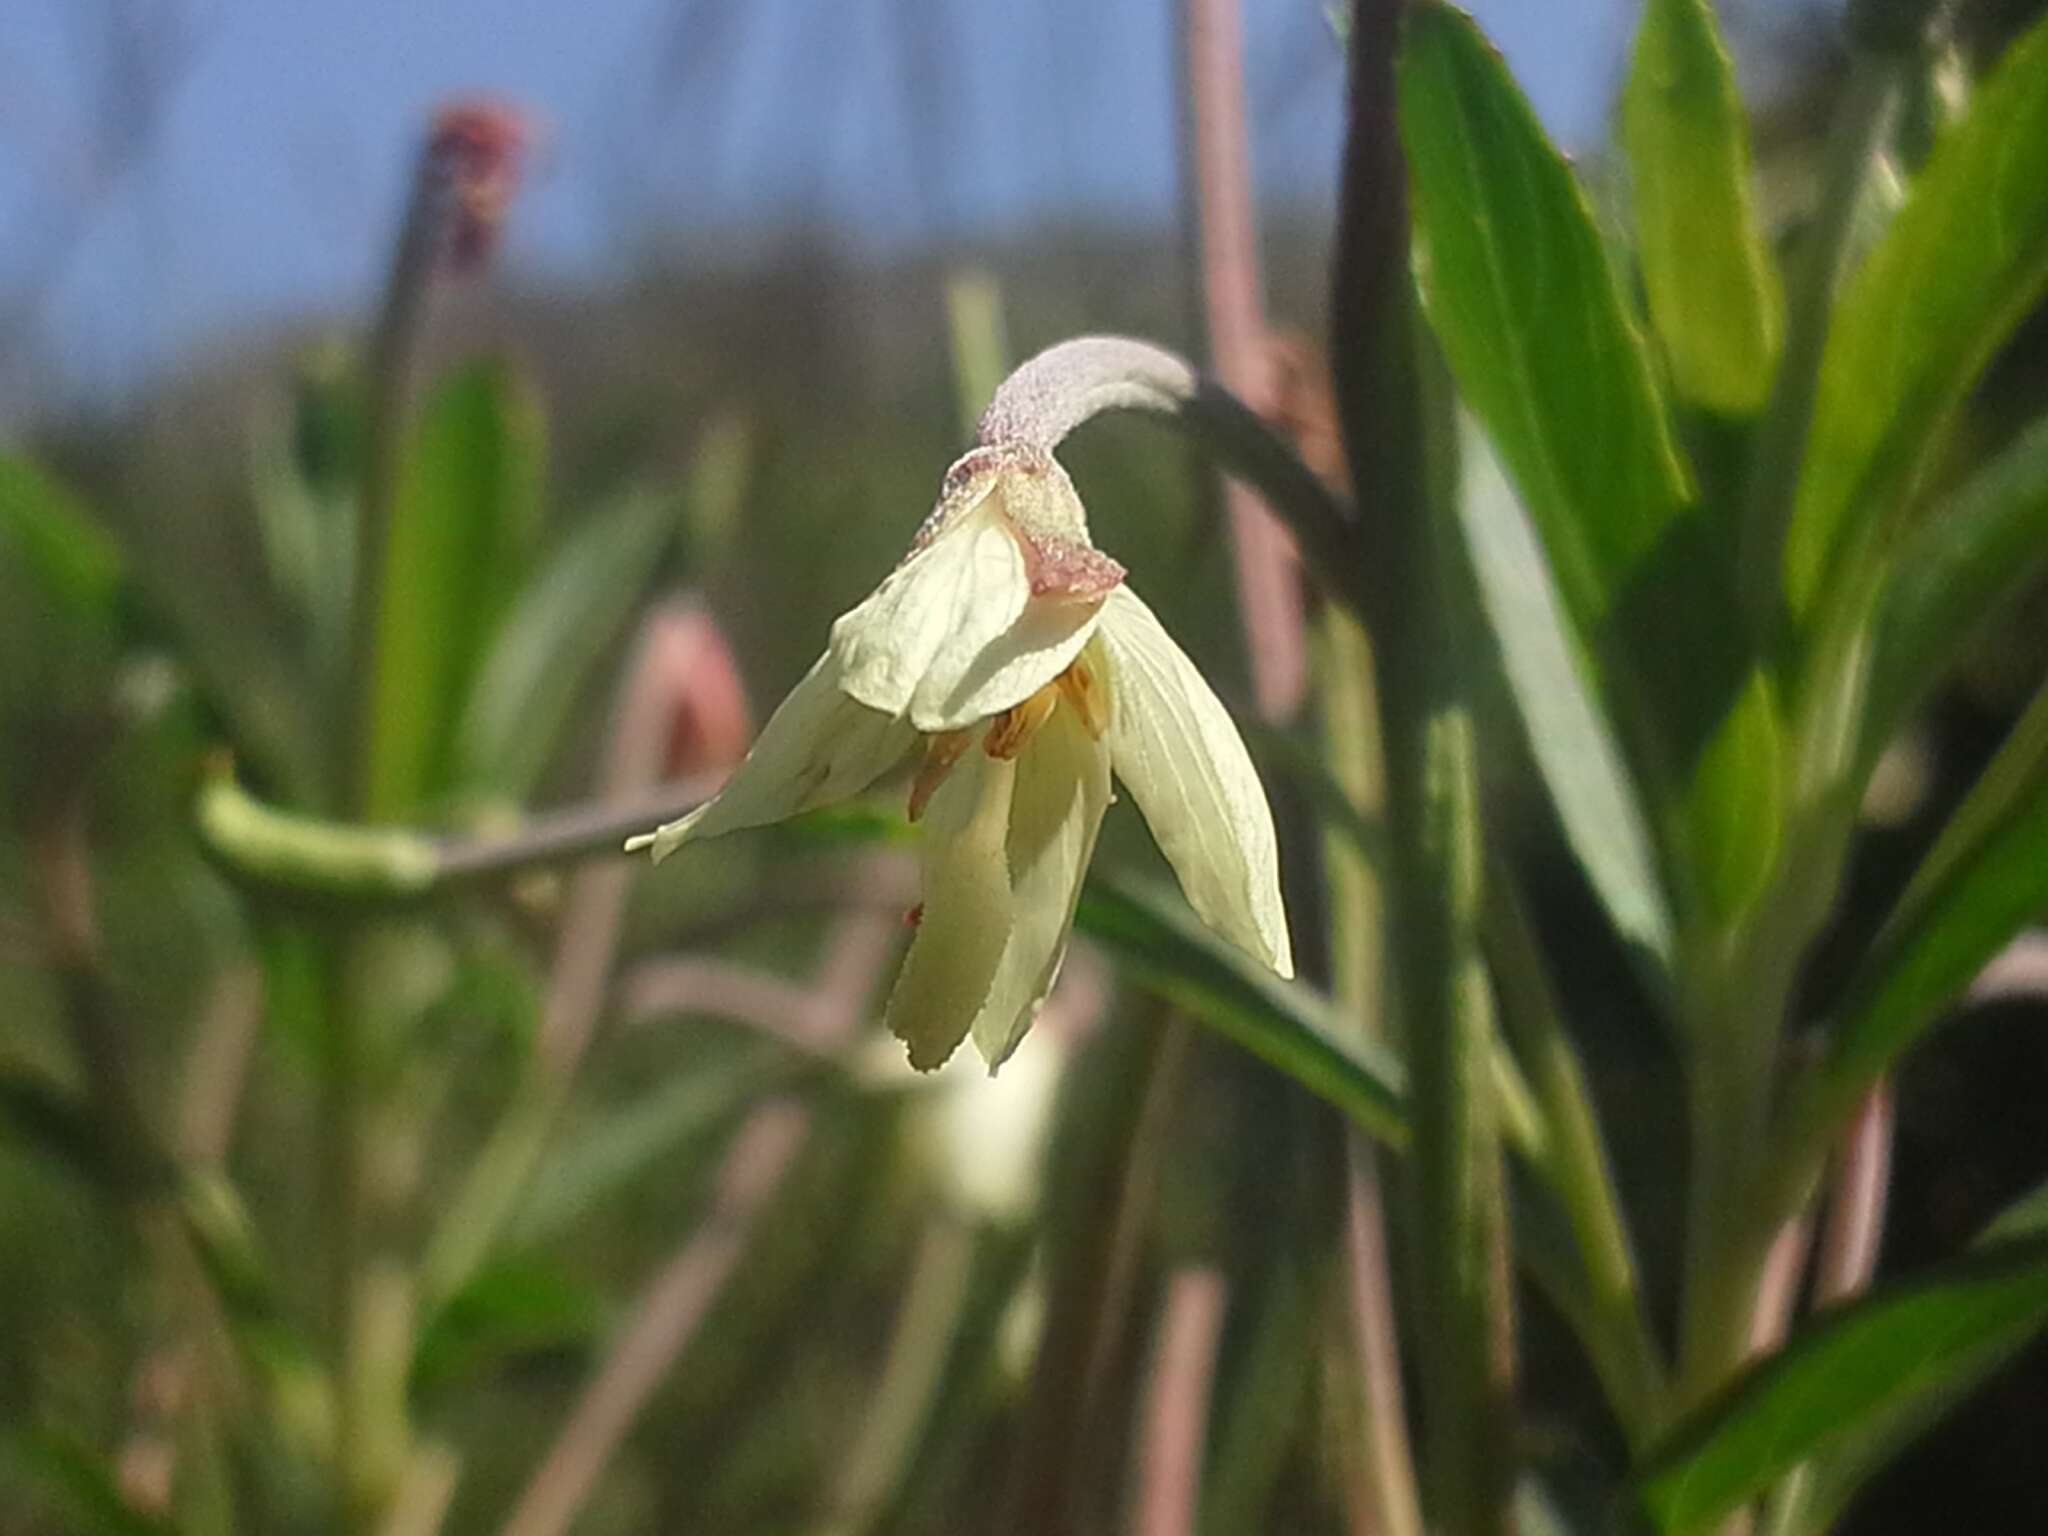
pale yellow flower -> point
(1007, 668)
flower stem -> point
(1395, 411)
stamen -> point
(941, 752)
(1010, 730)
(1089, 696)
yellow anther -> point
(1088, 693)
(941, 752)
(1010, 730)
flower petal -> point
(819, 746)
(1173, 744)
(1061, 792)
(953, 635)
(966, 922)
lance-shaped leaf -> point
(1714, 295)
(1569, 736)
(1864, 1369)
(1984, 879)
(1976, 556)
(1835, 1479)
(55, 539)
(1517, 285)
(1963, 261)
(462, 525)
(550, 643)
(1163, 947)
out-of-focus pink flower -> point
(709, 724)
(477, 148)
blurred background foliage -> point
(614, 489)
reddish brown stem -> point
(1176, 1408)
(1269, 589)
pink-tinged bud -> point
(477, 148)
(709, 724)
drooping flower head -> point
(1006, 669)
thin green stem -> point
(1395, 409)
(370, 1441)
(375, 866)
(1357, 904)
(1574, 1166)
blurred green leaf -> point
(1835, 1479)
(510, 1307)
(1734, 808)
(1976, 556)
(81, 1484)
(1985, 878)
(52, 1120)
(462, 527)
(543, 655)
(1956, 270)
(1569, 735)
(72, 559)
(1713, 292)
(585, 1173)
(1850, 1371)
(304, 473)
(1163, 947)
(1517, 285)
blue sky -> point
(268, 182)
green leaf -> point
(49, 531)
(1972, 561)
(561, 627)
(1856, 1368)
(1163, 947)
(462, 525)
(53, 1121)
(1734, 808)
(508, 1308)
(83, 1485)
(1516, 283)
(1713, 292)
(1836, 1478)
(1963, 261)
(1569, 735)
(586, 1172)
(1985, 878)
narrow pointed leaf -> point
(70, 557)
(590, 1170)
(551, 641)
(1713, 292)
(462, 525)
(1836, 1479)
(1163, 947)
(1517, 285)
(1569, 735)
(1957, 269)
(1734, 806)
(1850, 1372)
(1972, 561)
(1985, 879)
